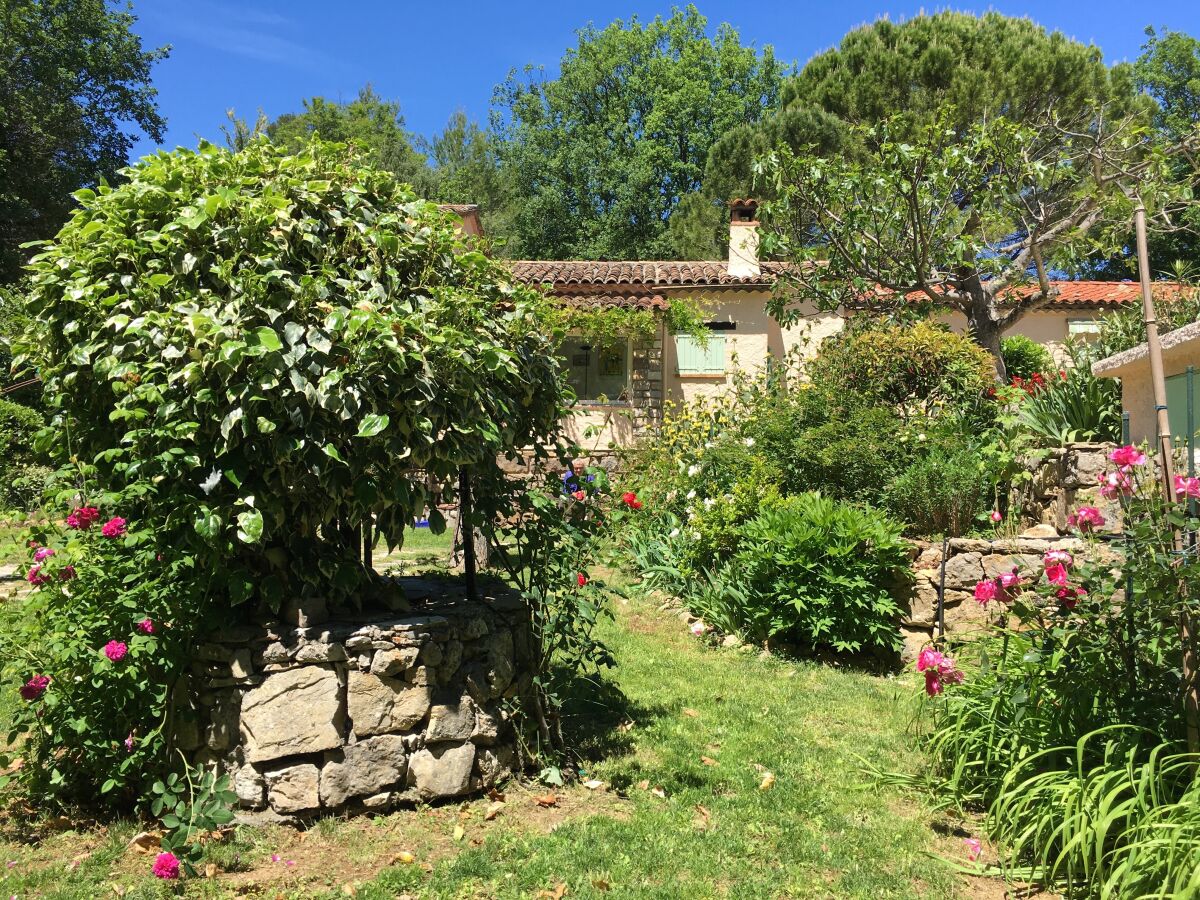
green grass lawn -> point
(682, 736)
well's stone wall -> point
(367, 711)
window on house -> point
(695, 358)
(597, 373)
(1083, 329)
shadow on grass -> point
(597, 715)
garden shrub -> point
(917, 369)
(1024, 356)
(267, 350)
(945, 490)
(1073, 405)
(21, 476)
(99, 647)
(850, 458)
(820, 573)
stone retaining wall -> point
(364, 712)
(968, 561)
(1062, 480)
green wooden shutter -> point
(1177, 404)
(695, 359)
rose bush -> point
(1073, 724)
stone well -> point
(367, 711)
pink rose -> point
(1056, 573)
(66, 573)
(1127, 456)
(1086, 518)
(115, 650)
(35, 576)
(996, 517)
(35, 687)
(974, 848)
(146, 626)
(1115, 484)
(166, 866)
(1184, 487)
(129, 743)
(42, 553)
(986, 592)
(83, 518)
(1010, 581)
(1069, 596)
(114, 527)
(1058, 557)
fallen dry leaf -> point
(402, 857)
(459, 832)
(560, 891)
(703, 820)
(118, 890)
(496, 796)
(210, 871)
(643, 785)
(768, 782)
(691, 713)
(350, 890)
(593, 784)
(600, 884)
(709, 761)
(493, 810)
(145, 841)
(546, 800)
(659, 792)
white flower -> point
(691, 514)
(674, 532)
(693, 471)
(749, 442)
(691, 495)
(709, 502)
(708, 445)
(698, 628)
(921, 436)
(696, 535)
(672, 494)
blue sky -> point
(436, 57)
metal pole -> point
(466, 531)
(941, 595)
(1191, 432)
(1191, 696)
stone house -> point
(622, 389)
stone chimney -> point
(468, 213)
(743, 239)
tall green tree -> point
(599, 157)
(978, 66)
(374, 124)
(1169, 71)
(973, 219)
(466, 169)
(74, 91)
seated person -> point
(576, 476)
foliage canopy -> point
(74, 81)
(264, 349)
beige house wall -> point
(1137, 391)
(1048, 328)
(757, 338)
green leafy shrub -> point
(945, 490)
(850, 458)
(820, 573)
(917, 370)
(267, 350)
(1076, 406)
(1125, 328)
(21, 475)
(1024, 356)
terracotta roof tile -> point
(657, 273)
(629, 278)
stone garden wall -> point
(1060, 481)
(364, 712)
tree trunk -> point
(985, 329)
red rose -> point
(579, 495)
(582, 579)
